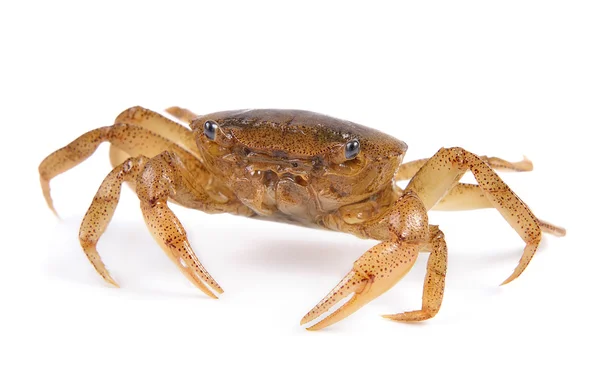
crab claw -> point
(379, 269)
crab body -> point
(301, 168)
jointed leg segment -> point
(102, 209)
(382, 266)
(158, 168)
(131, 139)
(386, 263)
(154, 187)
(67, 157)
(435, 280)
(443, 171)
(408, 170)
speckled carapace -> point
(301, 168)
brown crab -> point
(296, 167)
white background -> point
(508, 79)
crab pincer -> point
(379, 269)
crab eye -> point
(352, 149)
(210, 129)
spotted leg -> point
(130, 139)
(435, 280)
(102, 209)
(443, 171)
(470, 196)
(158, 125)
(382, 266)
(408, 170)
(161, 179)
(191, 186)
(156, 180)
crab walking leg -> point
(552, 229)
(463, 197)
(408, 170)
(159, 181)
(67, 157)
(433, 289)
(160, 125)
(471, 196)
(182, 114)
(381, 267)
(130, 139)
(156, 123)
(443, 171)
(102, 209)
(188, 177)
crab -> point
(301, 168)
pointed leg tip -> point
(214, 288)
(210, 294)
(55, 212)
(317, 326)
(182, 114)
(305, 320)
(412, 317)
(552, 229)
(108, 278)
(211, 290)
(50, 203)
(512, 277)
(177, 112)
(558, 231)
(45, 184)
(398, 317)
(525, 165)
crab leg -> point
(188, 178)
(433, 289)
(159, 181)
(381, 267)
(386, 263)
(133, 140)
(466, 196)
(471, 196)
(128, 140)
(102, 209)
(442, 172)
(160, 125)
(67, 157)
(156, 123)
(182, 114)
(155, 179)
(408, 170)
